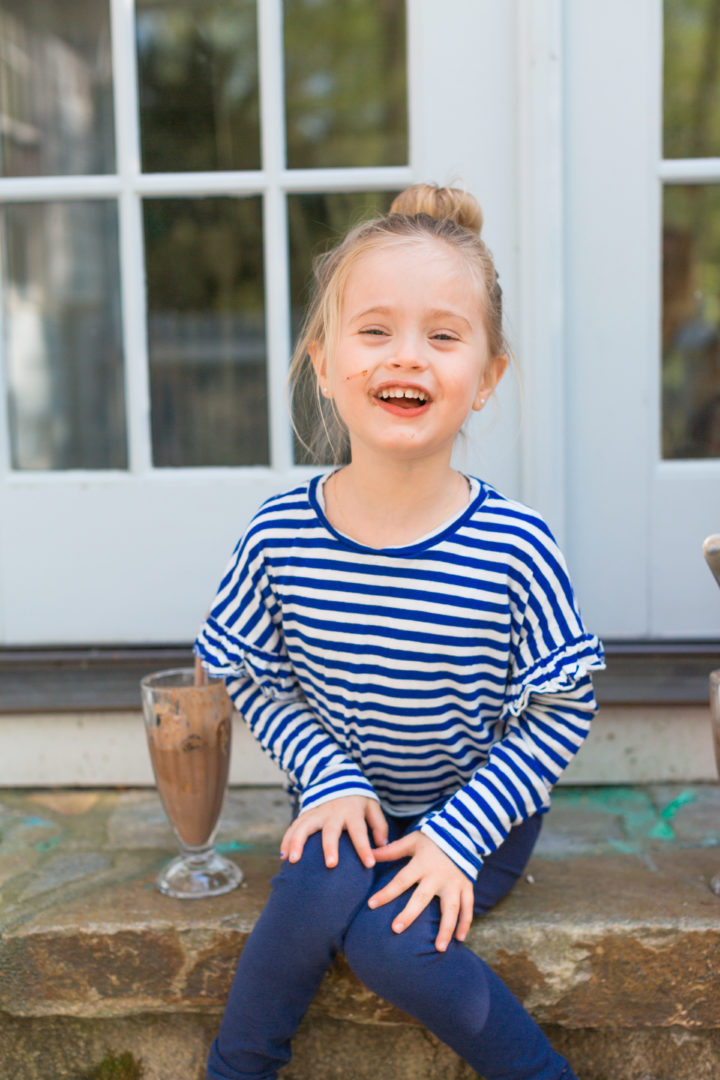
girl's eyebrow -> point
(436, 313)
(378, 309)
(448, 313)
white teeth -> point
(398, 392)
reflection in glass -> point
(206, 325)
(198, 84)
(316, 223)
(55, 88)
(691, 322)
(62, 335)
(692, 78)
(345, 83)
(56, 110)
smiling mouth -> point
(408, 397)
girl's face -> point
(411, 359)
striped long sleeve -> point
(448, 678)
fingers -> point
(399, 849)
(352, 814)
(433, 874)
(357, 831)
(400, 883)
(330, 838)
(417, 903)
(449, 911)
(377, 824)
(467, 905)
(292, 844)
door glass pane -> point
(691, 322)
(206, 325)
(345, 83)
(55, 88)
(198, 85)
(692, 79)
(62, 335)
(316, 222)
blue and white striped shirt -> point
(447, 678)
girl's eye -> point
(443, 335)
(373, 330)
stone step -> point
(612, 941)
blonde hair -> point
(422, 211)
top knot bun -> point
(443, 203)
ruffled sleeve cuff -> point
(226, 655)
(554, 673)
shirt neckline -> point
(478, 494)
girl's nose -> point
(408, 354)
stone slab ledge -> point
(614, 927)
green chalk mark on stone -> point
(683, 799)
(662, 831)
(48, 845)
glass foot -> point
(191, 877)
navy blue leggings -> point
(314, 913)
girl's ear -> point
(319, 363)
(491, 376)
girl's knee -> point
(316, 888)
(378, 955)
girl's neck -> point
(393, 504)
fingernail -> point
(372, 903)
(294, 856)
(398, 927)
(370, 862)
(442, 946)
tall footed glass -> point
(189, 733)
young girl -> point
(404, 642)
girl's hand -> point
(435, 874)
(353, 814)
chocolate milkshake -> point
(189, 736)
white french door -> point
(168, 168)
(643, 494)
(152, 273)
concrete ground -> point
(612, 941)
